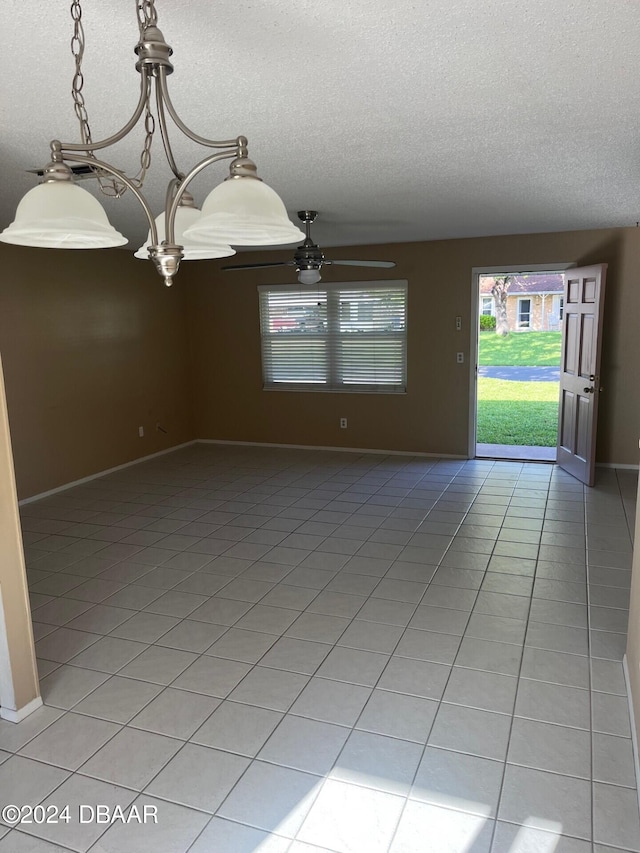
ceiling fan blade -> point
(260, 266)
(385, 264)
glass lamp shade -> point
(61, 215)
(244, 211)
(309, 276)
(185, 217)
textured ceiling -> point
(398, 121)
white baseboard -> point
(19, 715)
(634, 734)
(325, 447)
(617, 465)
(98, 474)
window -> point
(488, 306)
(343, 337)
(524, 313)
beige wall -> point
(433, 416)
(94, 346)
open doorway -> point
(519, 341)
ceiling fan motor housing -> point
(308, 257)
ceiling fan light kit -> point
(309, 276)
(59, 214)
(309, 257)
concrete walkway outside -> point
(521, 374)
(515, 451)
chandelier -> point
(241, 211)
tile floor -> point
(288, 651)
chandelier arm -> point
(184, 183)
(172, 188)
(164, 134)
(100, 164)
(201, 140)
(145, 91)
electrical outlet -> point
(458, 323)
(141, 431)
(343, 423)
(460, 357)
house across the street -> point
(534, 302)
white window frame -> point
(492, 306)
(333, 337)
(519, 325)
(557, 312)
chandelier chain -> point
(147, 15)
(108, 186)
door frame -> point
(476, 272)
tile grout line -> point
(515, 698)
(439, 705)
(589, 648)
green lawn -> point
(520, 413)
(520, 349)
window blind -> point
(342, 337)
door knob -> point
(589, 390)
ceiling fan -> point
(309, 258)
